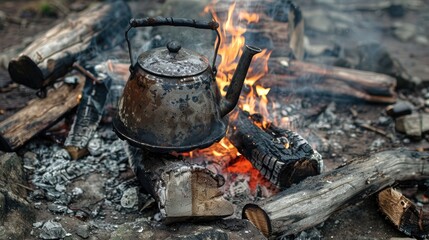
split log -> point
(404, 214)
(89, 114)
(282, 156)
(312, 201)
(53, 55)
(39, 115)
(304, 78)
(182, 190)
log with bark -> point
(283, 157)
(313, 200)
(297, 77)
(182, 190)
(39, 115)
(78, 38)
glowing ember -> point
(242, 166)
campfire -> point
(223, 145)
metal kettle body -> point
(171, 102)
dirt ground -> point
(339, 143)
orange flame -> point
(232, 42)
(232, 32)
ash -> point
(69, 187)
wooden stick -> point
(52, 56)
(283, 157)
(313, 200)
(39, 115)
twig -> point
(23, 186)
(376, 130)
(85, 72)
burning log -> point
(89, 113)
(313, 200)
(182, 190)
(53, 55)
(282, 156)
(307, 78)
(39, 115)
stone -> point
(16, 213)
(404, 31)
(77, 192)
(12, 174)
(411, 125)
(52, 230)
(95, 146)
(423, 40)
(130, 198)
(400, 108)
(83, 231)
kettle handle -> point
(177, 22)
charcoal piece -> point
(52, 230)
(83, 231)
(88, 117)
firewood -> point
(89, 114)
(39, 115)
(282, 156)
(182, 190)
(52, 55)
(313, 200)
(404, 214)
(304, 78)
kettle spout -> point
(234, 89)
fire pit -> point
(187, 162)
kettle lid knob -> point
(174, 46)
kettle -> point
(171, 101)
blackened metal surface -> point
(170, 114)
(165, 62)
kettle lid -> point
(173, 61)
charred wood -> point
(39, 115)
(404, 214)
(312, 79)
(283, 157)
(312, 201)
(52, 55)
(182, 190)
(89, 113)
